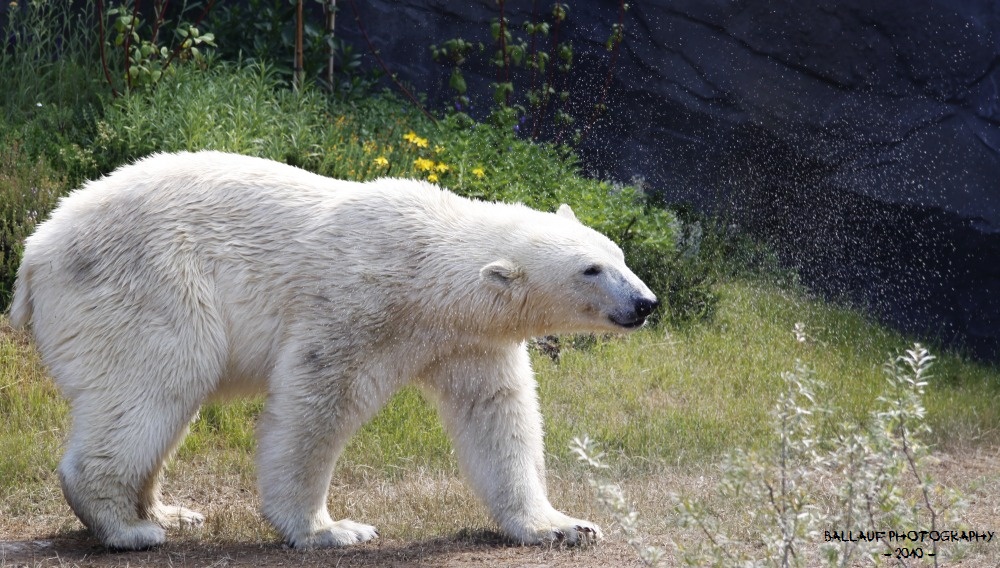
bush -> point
(245, 109)
(225, 108)
(822, 480)
(29, 189)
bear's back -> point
(252, 223)
(193, 187)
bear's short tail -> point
(21, 305)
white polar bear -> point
(191, 276)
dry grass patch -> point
(425, 518)
(431, 519)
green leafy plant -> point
(144, 56)
(532, 67)
(455, 52)
(146, 61)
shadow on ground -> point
(466, 548)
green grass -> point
(705, 390)
(34, 415)
(652, 398)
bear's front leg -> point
(490, 409)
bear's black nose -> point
(644, 307)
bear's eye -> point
(592, 270)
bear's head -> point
(561, 276)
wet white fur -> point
(186, 277)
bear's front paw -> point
(561, 529)
(340, 533)
(577, 532)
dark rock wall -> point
(861, 137)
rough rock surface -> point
(862, 137)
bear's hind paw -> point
(141, 535)
(340, 533)
(176, 517)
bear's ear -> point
(500, 273)
(566, 211)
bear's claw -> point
(567, 531)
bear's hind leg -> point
(152, 508)
(300, 435)
(109, 474)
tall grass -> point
(50, 60)
(51, 87)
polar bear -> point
(192, 276)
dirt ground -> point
(482, 549)
(53, 538)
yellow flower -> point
(479, 172)
(417, 141)
(381, 161)
(438, 149)
(423, 164)
(442, 167)
(369, 147)
(432, 178)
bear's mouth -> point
(628, 324)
